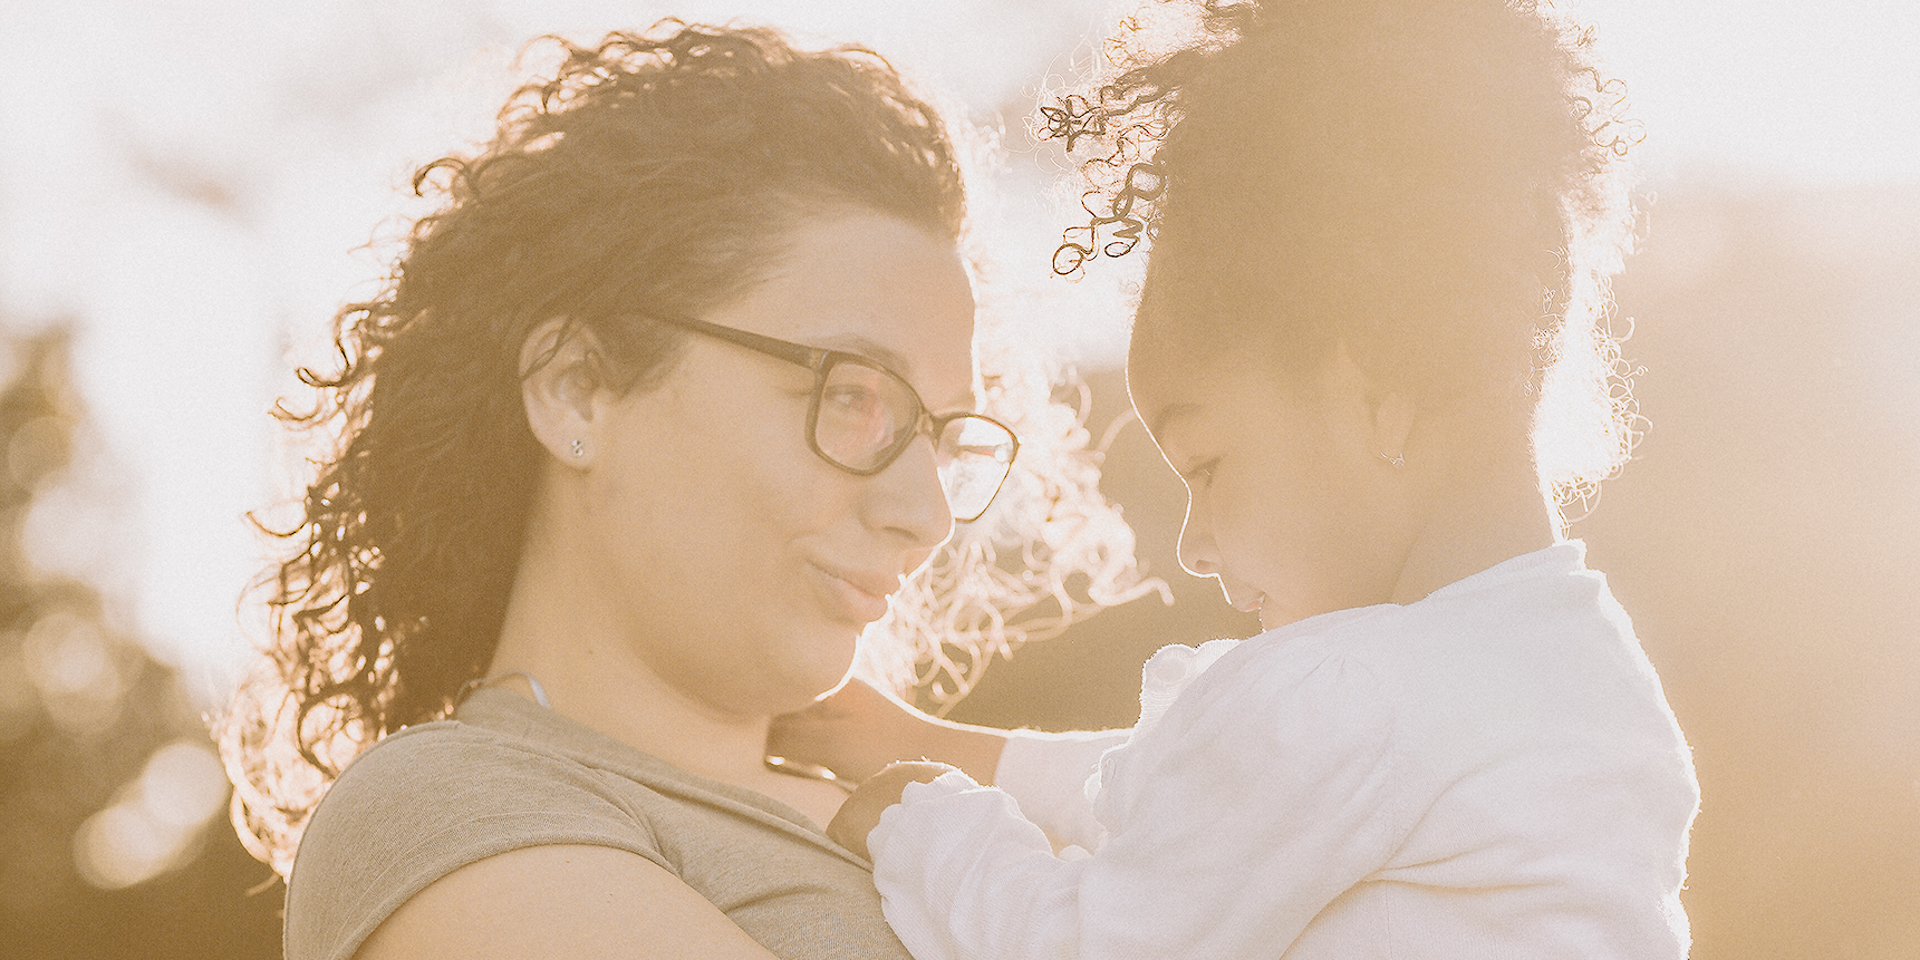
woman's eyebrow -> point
(855, 343)
(964, 400)
(892, 360)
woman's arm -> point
(858, 730)
(571, 901)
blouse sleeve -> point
(1250, 807)
(1047, 774)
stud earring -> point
(579, 447)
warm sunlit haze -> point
(193, 189)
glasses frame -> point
(822, 361)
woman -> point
(651, 418)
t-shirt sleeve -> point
(1231, 825)
(425, 803)
(1046, 773)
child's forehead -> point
(1174, 389)
(1159, 371)
(1162, 369)
(1178, 358)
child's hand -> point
(861, 813)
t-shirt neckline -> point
(509, 714)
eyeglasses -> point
(863, 416)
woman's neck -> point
(563, 629)
(560, 631)
(590, 683)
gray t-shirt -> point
(506, 774)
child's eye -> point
(1200, 475)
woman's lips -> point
(852, 595)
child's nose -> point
(1197, 563)
(1197, 553)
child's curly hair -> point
(1437, 183)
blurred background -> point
(189, 189)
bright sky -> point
(1781, 91)
(190, 182)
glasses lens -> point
(974, 455)
(865, 415)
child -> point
(1380, 229)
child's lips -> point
(1242, 598)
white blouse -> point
(1490, 771)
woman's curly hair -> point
(1437, 183)
(651, 173)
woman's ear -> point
(559, 374)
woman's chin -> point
(815, 676)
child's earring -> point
(579, 447)
(1393, 423)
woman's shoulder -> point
(427, 801)
(416, 786)
(458, 769)
(400, 759)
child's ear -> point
(559, 375)
(1390, 407)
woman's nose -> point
(907, 497)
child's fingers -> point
(861, 813)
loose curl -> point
(1437, 183)
(653, 172)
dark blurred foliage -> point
(68, 748)
(1764, 542)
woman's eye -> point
(852, 399)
